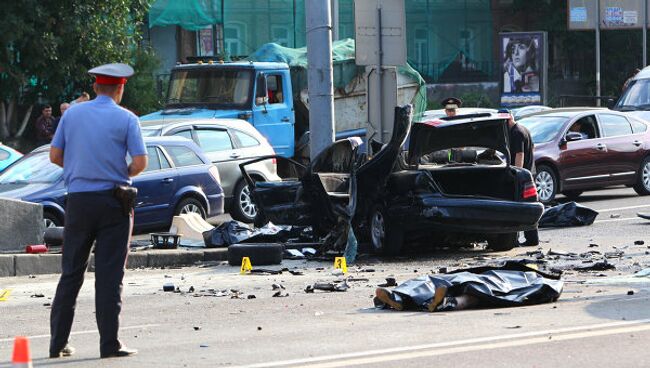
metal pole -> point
(320, 81)
(380, 74)
(645, 31)
(335, 20)
(598, 53)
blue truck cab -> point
(258, 92)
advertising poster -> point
(524, 64)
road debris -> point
(340, 285)
(568, 214)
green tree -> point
(47, 47)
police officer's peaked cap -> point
(451, 103)
(116, 73)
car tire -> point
(243, 209)
(572, 194)
(51, 220)
(190, 205)
(503, 242)
(642, 186)
(260, 254)
(546, 183)
(385, 238)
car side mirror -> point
(261, 100)
(610, 103)
(573, 136)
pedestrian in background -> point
(521, 155)
(64, 106)
(91, 144)
(43, 126)
(82, 98)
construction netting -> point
(345, 69)
(446, 40)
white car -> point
(227, 143)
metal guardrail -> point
(586, 100)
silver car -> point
(227, 143)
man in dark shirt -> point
(43, 125)
(521, 155)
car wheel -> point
(386, 238)
(502, 242)
(642, 186)
(546, 183)
(243, 208)
(190, 205)
(572, 194)
(51, 220)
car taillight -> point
(274, 161)
(214, 173)
(530, 191)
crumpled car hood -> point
(435, 135)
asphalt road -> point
(601, 319)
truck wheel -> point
(190, 205)
(386, 238)
(502, 242)
(259, 254)
(546, 183)
(642, 186)
(243, 208)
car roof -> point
(569, 112)
(643, 74)
(237, 124)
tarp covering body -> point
(568, 214)
(508, 285)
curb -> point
(40, 264)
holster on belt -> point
(126, 196)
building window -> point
(234, 36)
(280, 35)
(421, 46)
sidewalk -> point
(38, 264)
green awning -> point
(189, 14)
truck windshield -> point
(200, 87)
(635, 97)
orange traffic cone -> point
(21, 357)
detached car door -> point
(283, 201)
(624, 150)
(156, 188)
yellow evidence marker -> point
(339, 263)
(4, 294)
(246, 266)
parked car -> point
(581, 150)
(397, 201)
(178, 179)
(8, 156)
(227, 143)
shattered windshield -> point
(543, 128)
(197, 87)
(32, 169)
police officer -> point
(451, 105)
(91, 144)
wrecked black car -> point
(395, 196)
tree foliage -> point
(47, 47)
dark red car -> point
(579, 150)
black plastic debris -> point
(169, 287)
(630, 292)
(568, 214)
(510, 284)
(390, 282)
(230, 232)
(644, 215)
(280, 294)
(639, 242)
(328, 286)
(598, 266)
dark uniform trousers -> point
(92, 216)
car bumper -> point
(215, 204)
(470, 215)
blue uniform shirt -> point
(95, 137)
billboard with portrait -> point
(524, 64)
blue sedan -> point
(179, 179)
(8, 156)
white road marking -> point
(488, 342)
(82, 332)
(616, 220)
(622, 208)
